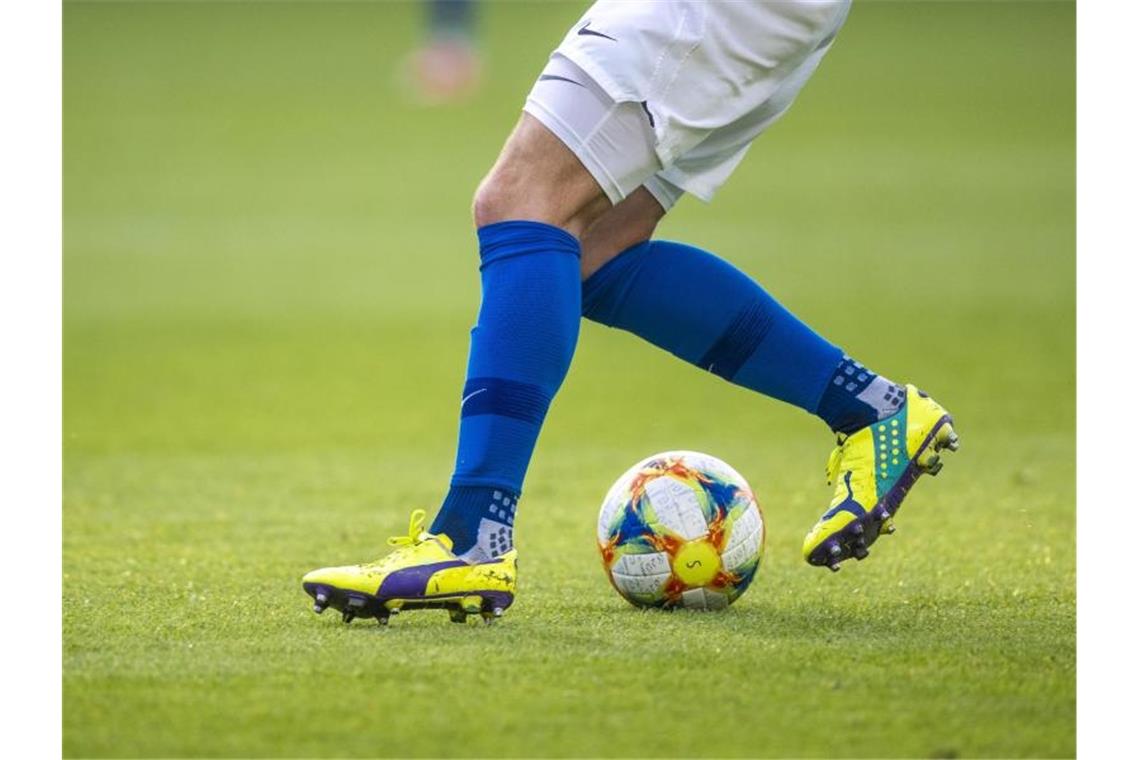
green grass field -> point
(269, 277)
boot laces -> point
(415, 533)
(415, 536)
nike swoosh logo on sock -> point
(587, 31)
(469, 396)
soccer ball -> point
(681, 529)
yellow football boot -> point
(421, 573)
(872, 470)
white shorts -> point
(671, 94)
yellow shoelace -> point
(415, 530)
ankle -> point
(479, 520)
(856, 397)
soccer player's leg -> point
(447, 66)
(529, 211)
(711, 314)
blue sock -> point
(480, 520)
(521, 348)
(711, 314)
(856, 397)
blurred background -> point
(270, 273)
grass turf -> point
(269, 279)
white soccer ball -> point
(681, 529)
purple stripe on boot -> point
(411, 582)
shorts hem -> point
(662, 191)
(578, 147)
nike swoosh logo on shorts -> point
(587, 31)
(548, 77)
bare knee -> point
(495, 200)
(538, 178)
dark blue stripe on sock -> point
(506, 398)
(739, 341)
